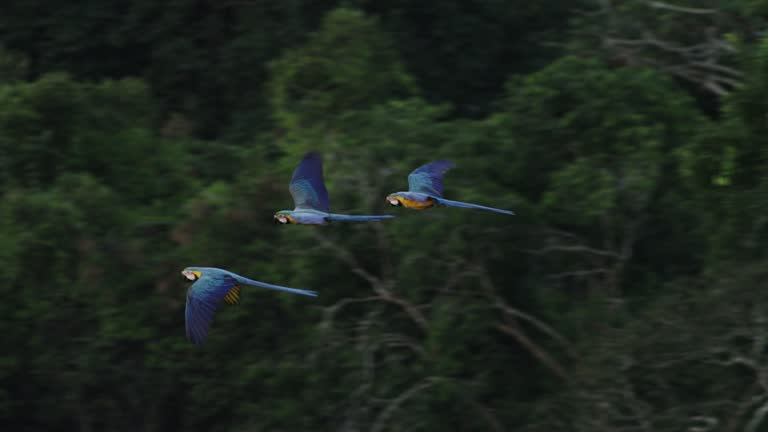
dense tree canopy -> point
(628, 293)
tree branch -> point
(395, 403)
(499, 303)
(670, 7)
(345, 256)
(537, 352)
(757, 418)
(564, 248)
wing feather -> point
(307, 186)
(428, 179)
(199, 315)
(203, 299)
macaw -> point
(312, 206)
(425, 190)
(210, 287)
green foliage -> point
(138, 139)
(13, 66)
(348, 64)
(698, 348)
(462, 51)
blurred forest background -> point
(630, 292)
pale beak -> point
(191, 275)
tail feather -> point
(460, 204)
(350, 218)
(246, 281)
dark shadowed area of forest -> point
(628, 293)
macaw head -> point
(283, 217)
(394, 200)
(192, 273)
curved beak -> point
(191, 274)
(393, 201)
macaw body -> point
(315, 217)
(412, 200)
(213, 286)
(310, 197)
(425, 190)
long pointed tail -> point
(246, 281)
(450, 203)
(350, 218)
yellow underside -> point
(233, 296)
(416, 205)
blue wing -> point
(449, 203)
(199, 314)
(428, 179)
(203, 298)
(307, 186)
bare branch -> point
(579, 273)
(567, 248)
(541, 326)
(534, 349)
(499, 303)
(409, 308)
(345, 256)
(718, 68)
(757, 418)
(330, 312)
(699, 63)
(394, 404)
(488, 416)
(393, 339)
(670, 7)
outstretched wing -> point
(307, 186)
(428, 179)
(203, 298)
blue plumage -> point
(310, 197)
(449, 203)
(425, 190)
(428, 179)
(351, 218)
(307, 186)
(211, 287)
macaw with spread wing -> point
(310, 198)
(211, 287)
(425, 190)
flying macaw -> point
(212, 285)
(310, 197)
(425, 190)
